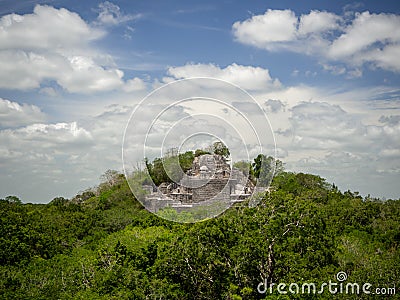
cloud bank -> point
(57, 45)
(352, 39)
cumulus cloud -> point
(134, 84)
(38, 147)
(261, 30)
(337, 144)
(43, 160)
(323, 125)
(13, 114)
(282, 29)
(366, 30)
(247, 77)
(41, 135)
(47, 27)
(317, 22)
(54, 44)
(365, 38)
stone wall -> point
(211, 189)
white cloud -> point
(291, 95)
(40, 136)
(13, 114)
(39, 147)
(247, 77)
(325, 139)
(76, 74)
(110, 14)
(322, 125)
(85, 74)
(364, 39)
(47, 27)
(134, 84)
(26, 70)
(318, 22)
(341, 136)
(386, 58)
(41, 160)
(282, 29)
(273, 26)
(366, 30)
(55, 44)
(44, 160)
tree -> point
(302, 231)
(199, 152)
(264, 168)
(220, 149)
(169, 169)
(13, 199)
(58, 201)
(112, 177)
(186, 160)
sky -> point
(318, 80)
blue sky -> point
(327, 74)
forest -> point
(102, 244)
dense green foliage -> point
(219, 148)
(169, 169)
(103, 245)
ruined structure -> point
(210, 180)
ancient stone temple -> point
(210, 178)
